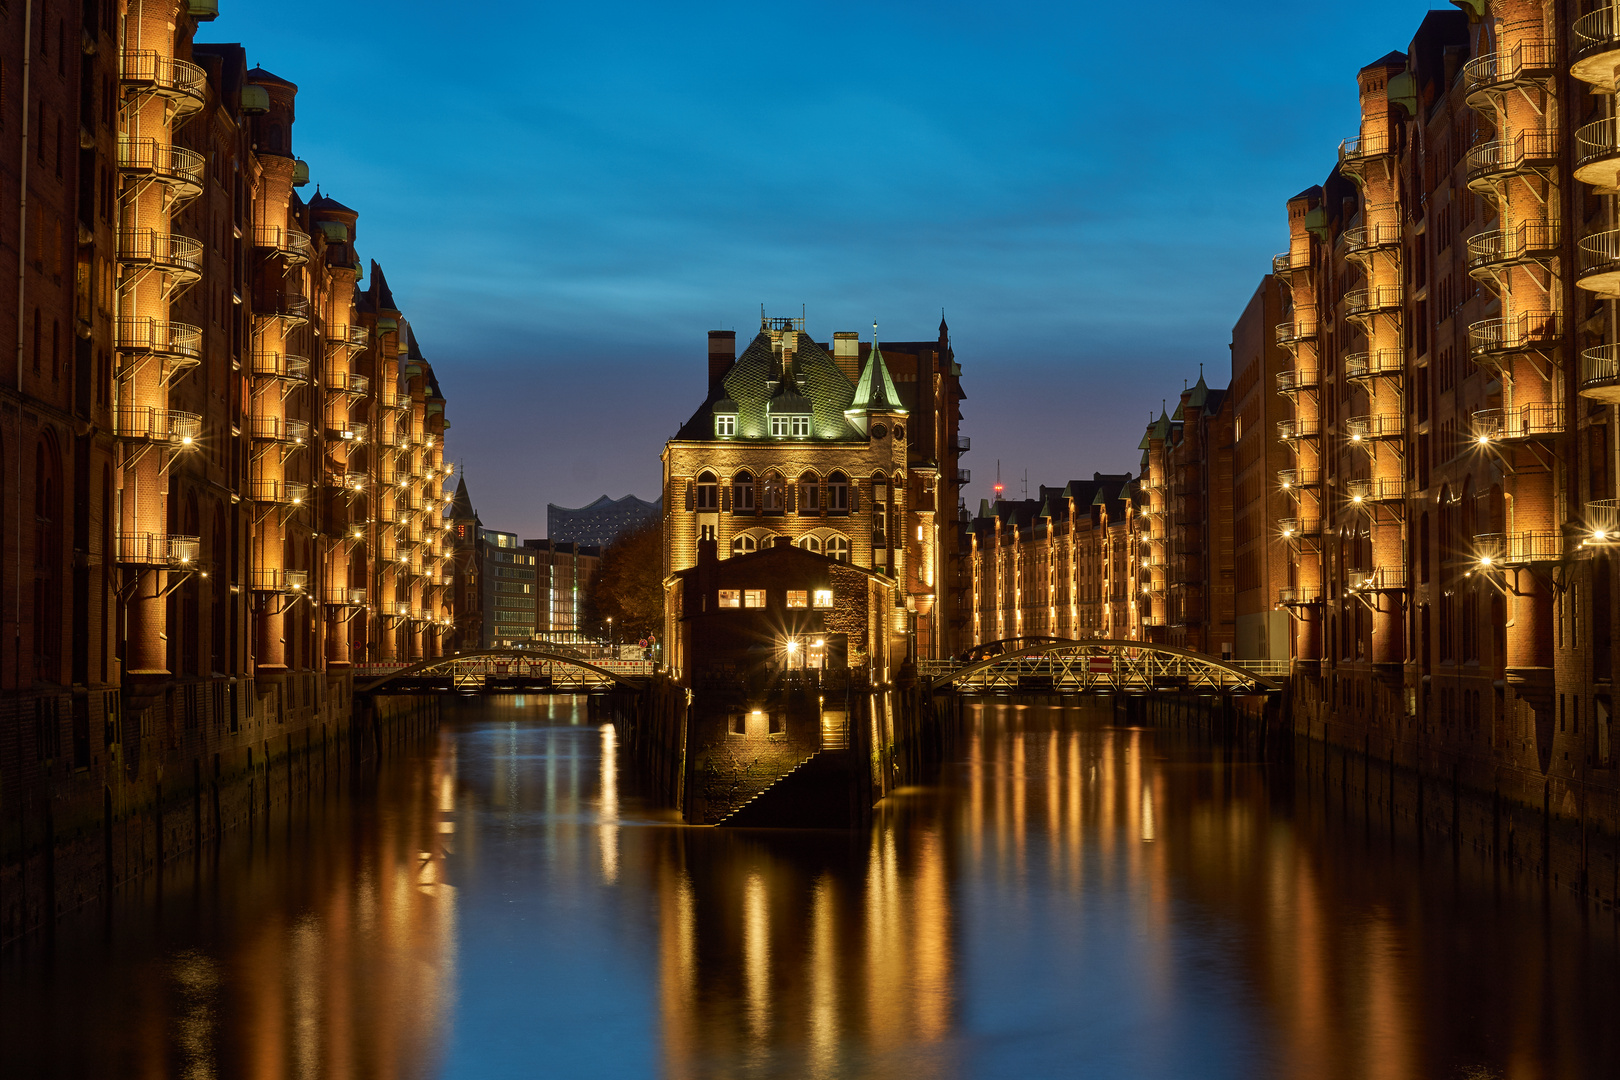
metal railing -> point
(349, 481)
(167, 162)
(1375, 426)
(176, 341)
(1509, 67)
(1381, 579)
(1289, 479)
(1300, 427)
(158, 425)
(1519, 548)
(157, 549)
(1514, 333)
(1293, 380)
(292, 244)
(351, 432)
(1299, 594)
(1534, 421)
(184, 82)
(279, 365)
(278, 429)
(346, 597)
(1597, 141)
(279, 492)
(1377, 235)
(1367, 365)
(279, 581)
(1598, 254)
(347, 382)
(964, 476)
(1600, 368)
(1302, 327)
(1592, 37)
(1510, 156)
(1524, 241)
(1289, 262)
(1291, 527)
(1369, 301)
(290, 306)
(961, 444)
(1365, 146)
(1381, 489)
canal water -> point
(1070, 898)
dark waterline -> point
(1070, 899)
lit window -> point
(779, 426)
(798, 598)
(708, 492)
(725, 425)
(753, 598)
(809, 494)
(823, 598)
(730, 598)
(742, 493)
(801, 426)
(838, 493)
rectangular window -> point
(725, 425)
(801, 426)
(730, 598)
(753, 598)
(823, 598)
(798, 598)
(779, 426)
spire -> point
(874, 391)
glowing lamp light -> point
(1483, 440)
(1355, 498)
(1484, 560)
(820, 642)
(185, 440)
(1285, 484)
(792, 646)
(1355, 438)
(1288, 532)
(1599, 534)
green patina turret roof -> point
(874, 391)
(1200, 392)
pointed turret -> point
(381, 295)
(874, 390)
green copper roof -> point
(874, 391)
(1200, 393)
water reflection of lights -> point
(609, 810)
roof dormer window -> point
(725, 425)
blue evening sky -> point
(566, 197)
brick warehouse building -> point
(220, 456)
(850, 451)
(1450, 290)
(1430, 499)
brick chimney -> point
(847, 353)
(722, 354)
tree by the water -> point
(629, 585)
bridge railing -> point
(1098, 667)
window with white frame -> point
(708, 492)
(838, 548)
(742, 493)
(800, 426)
(725, 424)
(779, 426)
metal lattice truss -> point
(1106, 667)
(506, 667)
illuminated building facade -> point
(1068, 564)
(849, 451)
(1449, 313)
(220, 458)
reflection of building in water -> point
(359, 979)
(801, 952)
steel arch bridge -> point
(1102, 666)
(494, 669)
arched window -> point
(743, 544)
(742, 493)
(811, 544)
(775, 493)
(708, 492)
(838, 548)
(809, 494)
(838, 493)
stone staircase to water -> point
(816, 795)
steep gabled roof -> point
(748, 387)
(461, 505)
(874, 390)
(380, 290)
